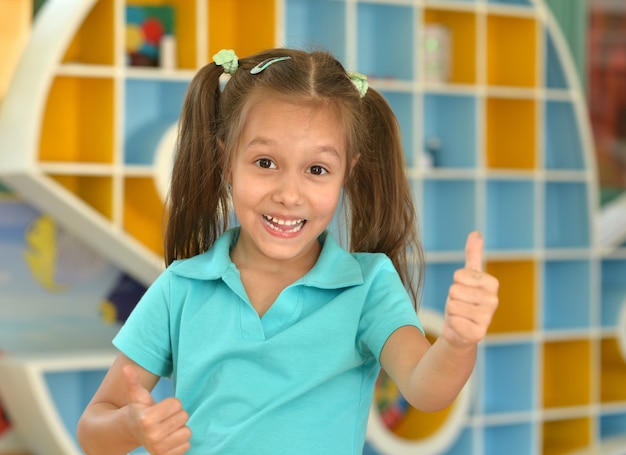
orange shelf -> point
(517, 306)
(567, 373)
(78, 121)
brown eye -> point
(318, 170)
(265, 163)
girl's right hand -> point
(159, 427)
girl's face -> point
(286, 178)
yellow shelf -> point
(562, 437)
(242, 25)
(94, 43)
(462, 26)
(511, 51)
(78, 121)
(143, 213)
(612, 372)
(516, 310)
(567, 373)
(95, 191)
(511, 133)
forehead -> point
(284, 120)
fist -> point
(472, 298)
(159, 427)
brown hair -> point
(379, 210)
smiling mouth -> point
(284, 226)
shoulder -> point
(210, 265)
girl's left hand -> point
(472, 298)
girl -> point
(272, 333)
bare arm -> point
(122, 415)
(431, 377)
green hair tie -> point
(360, 82)
(228, 60)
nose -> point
(288, 190)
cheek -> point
(328, 201)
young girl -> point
(272, 333)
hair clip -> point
(360, 82)
(267, 62)
(227, 59)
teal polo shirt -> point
(299, 380)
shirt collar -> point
(335, 267)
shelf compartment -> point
(245, 26)
(612, 424)
(402, 105)
(437, 281)
(561, 437)
(450, 147)
(517, 307)
(78, 121)
(317, 24)
(449, 213)
(612, 372)
(567, 295)
(510, 215)
(143, 212)
(509, 378)
(96, 191)
(511, 133)
(613, 291)
(511, 51)
(385, 33)
(554, 72)
(462, 27)
(567, 373)
(151, 107)
(94, 42)
(512, 439)
(71, 391)
(567, 215)
(563, 149)
(184, 29)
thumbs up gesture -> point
(472, 298)
(159, 427)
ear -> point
(353, 161)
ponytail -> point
(198, 200)
(382, 213)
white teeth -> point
(281, 222)
(274, 222)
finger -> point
(474, 251)
(136, 392)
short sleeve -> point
(388, 307)
(145, 336)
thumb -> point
(474, 251)
(136, 393)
